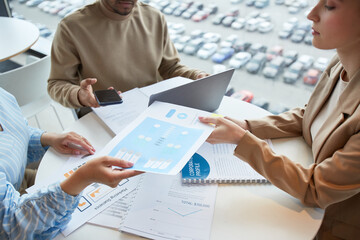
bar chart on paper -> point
(173, 210)
(161, 140)
(153, 139)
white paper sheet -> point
(118, 116)
(166, 209)
(162, 139)
(95, 198)
(114, 216)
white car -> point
(321, 63)
(207, 50)
(240, 59)
(265, 27)
(306, 60)
(238, 24)
(212, 37)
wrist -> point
(46, 139)
(76, 183)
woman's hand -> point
(226, 131)
(98, 170)
(67, 143)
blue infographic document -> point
(162, 139)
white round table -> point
(242, 211)
(17, 36)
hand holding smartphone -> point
(107, 97)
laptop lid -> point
(204, 94)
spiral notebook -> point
(217, 164)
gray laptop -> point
(204, 94)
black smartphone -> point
(107, 97)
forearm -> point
(35, 216)
(288, 124)
(64, 92)
(76, 183)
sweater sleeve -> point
(41, 215)
(170, 65)
(64, 80)
(333, 180)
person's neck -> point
(350, 59)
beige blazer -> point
(332, 182)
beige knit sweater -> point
(120, 51)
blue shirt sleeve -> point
(35, 150)
(41, 215)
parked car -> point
(238, 24)
(240, 59)
(228, 20)
(223, 54)
(298, 36)
(284, 34)
(211, 9)
(257, 47)
(207, 50)
(265, 27)
(234, 12)
(179, 11)
(171, 8)
(252, 24)
(193, 46)
(293, 73)
(177, 28)
(217, 20)
(261, 102)
(229, 41)
(217, 68)
(275, 51)
(321, 63)
(199, 16)
(189, 13)
(256, 63)
(243, 95)
(308, 38)
(181, 42)
(274, 67)
(197, 33)
(290, 57)
(261, 3)
(306, 60)
(241, 46)
(212, 37)
(312, 76)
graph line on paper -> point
(184, 215)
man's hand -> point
(86, 95)
(202, 75)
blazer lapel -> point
(320, 95)
(347, 104)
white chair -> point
(29, 85)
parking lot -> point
(276, 91)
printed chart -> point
(172, 210)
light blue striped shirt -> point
(31, 216)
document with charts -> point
(95, 198)
(162, 139)
(217, 163)
(171, 210)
